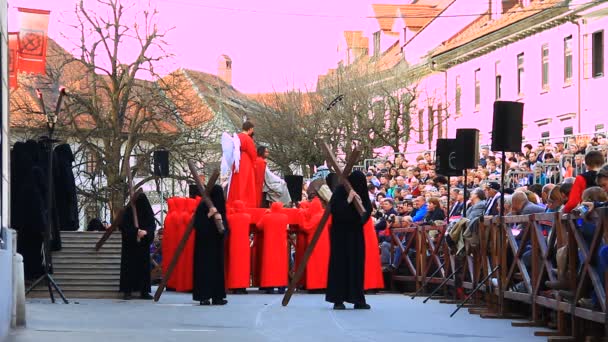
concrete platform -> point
(259, 317)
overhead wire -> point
(335, 16)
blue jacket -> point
(420, 214)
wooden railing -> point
(524, 260)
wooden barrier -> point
(526, 261)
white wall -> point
(6, 251)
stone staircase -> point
(81, 272)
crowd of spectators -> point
(549, 177)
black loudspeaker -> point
(507, 126)
(467, 148)
(445, 155)
(161, 163)
(295, 184)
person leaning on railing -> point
(602, 181)
(593, 161)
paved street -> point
(257, 317)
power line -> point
(335, 16)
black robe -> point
(28, 206)
(208, 265)
(135, 256)
(347, 254)
(65, 188)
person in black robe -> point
(208, 265)
(28, 206)
(66, 202)
(135, 255)
(347, 254)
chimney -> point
(495, 9)
(224, 69)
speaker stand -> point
(466, 193)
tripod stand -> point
(46, 250)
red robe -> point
(260, 173)
(184, 267)
(238, 262)
(274, 263)
(318, 263)
(373, 278)
(169, 238)
(242, 183)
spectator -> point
(421, 209)
(478, 204)
(434, 212)
(383, 214)
(492, 193)
(593, 161)
(521, 205)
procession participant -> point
(260, 173)
(347, 245)
(318, 263)
(135, 251)
(242, 182)
(238, 262)
(274, 263)
(208, 270)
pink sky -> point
(269, 51)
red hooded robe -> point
(238, 262)
(274, 263)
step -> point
(87, 258)
(94, 288)
(85, 269)
(89, 240)
(88, 276)
(86, 283)
(71, 296)
(89, 246)
(75, 252)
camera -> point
(581, 210)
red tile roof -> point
(356, 40)
(484, 25)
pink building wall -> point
(543, 108)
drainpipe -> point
(445, 89)
(579, 71)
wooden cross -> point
(205, 191)
(342, 175)
(133, 196)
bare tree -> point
(110, 111)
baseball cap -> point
(494, 186)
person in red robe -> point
(170, 238)
(238, 262)
(318, 263)
(260, 174)
(242, 183)
(373, 277)
(274, 263)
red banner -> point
(33, 36)
(13, 59)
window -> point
(568, 60)
(568, 130)
(498, 83)
(477, 89)
(597, 47)
(545, 135)
(91, 162)
(520, 74)
(421, 126)
(545, 67)
(498, 86)
(458, 96)
(599, 127)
